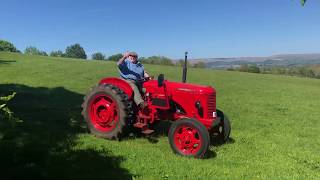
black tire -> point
(202, 135)
(124, 111)
(223, 130)
(227, 128)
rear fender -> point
(120, 83)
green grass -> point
(275, 126)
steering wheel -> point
(145, 79)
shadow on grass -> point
(43, 144)
(218, 142)
(6, 62)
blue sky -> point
(210, 28)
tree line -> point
(301, 71)
(72, 51)
(76, 51)
(159, 60)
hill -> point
(274, 60)
(275, 122)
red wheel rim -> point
(187, 139)
(103, 112)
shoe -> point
(143, 105)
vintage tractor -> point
(110, 112)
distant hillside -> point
(274, 60)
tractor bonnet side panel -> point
(188, 95)
(159, 96)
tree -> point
(56, 53)
(310, 73)
(7, 46)
(115, 57)
(98, 56)
(244, 68)
(180, 62)
(158, 60)
(303, 2)
(199, 64)
(31, 50)
(76, 51)
(43, 53)
(254, 69)
(249, 68)
(142, 59)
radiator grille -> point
(211, 104)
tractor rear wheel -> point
(189, 137)
(106, 110)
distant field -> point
(275, 126)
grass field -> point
(275, 126)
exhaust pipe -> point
(184, 73)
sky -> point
(204, 28)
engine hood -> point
(189, 88)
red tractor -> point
(110, 112)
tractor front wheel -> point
(222, 131)
(189, 137)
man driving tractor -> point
(133, 72)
